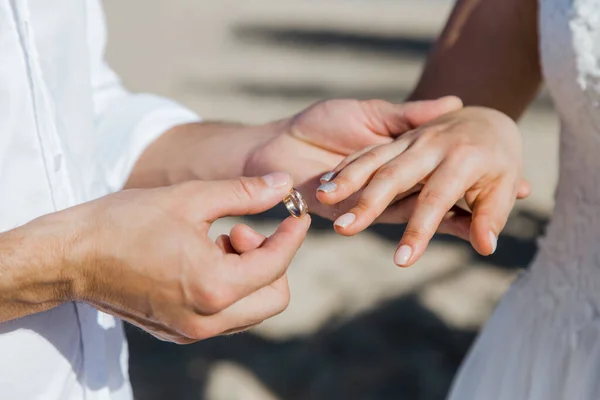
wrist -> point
(36, 269)
(200, 151)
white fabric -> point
(543, 341)
(69, 133)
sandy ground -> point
(357, 327)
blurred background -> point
(357, 327)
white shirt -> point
(69, 133)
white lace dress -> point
(543, 341)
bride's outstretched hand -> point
(317, 139)
(473, 154)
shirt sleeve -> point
(126, 123)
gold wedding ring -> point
(295, 204)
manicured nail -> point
(327, 187)
(493, 241)
(403, 255)
(276, 179)
(327, 177)
(345, 220)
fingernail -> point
(403, 255)
(493, 241)
(276, 179)
(327, 177)
(345, 220)
(327, 187)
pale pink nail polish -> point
(276, 179)
(402, 255)
(493, 241)
(345, 220)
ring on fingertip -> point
(295, 204)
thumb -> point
(244, 196)
(417, 113)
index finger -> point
(260, 267)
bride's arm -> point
(487, 55)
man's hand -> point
(144, 256)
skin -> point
(150, 261)
(98, 252)
(488, 56)
(143, 254)
(473, 154)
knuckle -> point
(410, 137)
(212, 299)
(366, 210)
(385, 173)
(426, 134)
(370, 157)
(431, 197)
(242, 189)
(363, 205)
(429, 132)
(466, 152)
(416, 234)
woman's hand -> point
(318, 138)
(474, 153)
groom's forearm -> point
(38, 265)
(203, 151)
(487, 55)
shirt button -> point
(57, 162)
